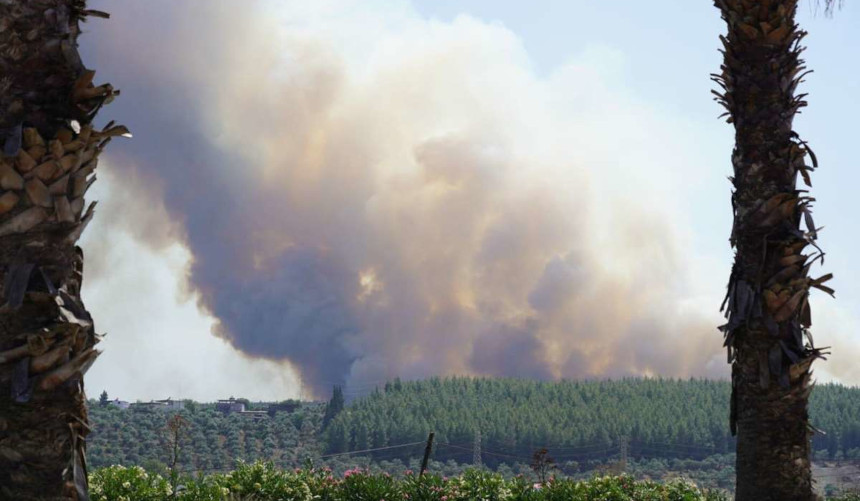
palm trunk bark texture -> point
(48, 153)
(767, 337)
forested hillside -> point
(582, 423)
(574, 419)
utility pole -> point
(476, 450)
(623, 445)
(427, 453)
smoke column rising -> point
(368, 194)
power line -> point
(692, 446)
(483, 452)
(659, 449)
(673, 449)
(369, 450)
(552, 449)
(610, 451)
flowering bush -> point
(118, 483)
(263, 482)
(358, 485)
(424, 488)
(478, 484)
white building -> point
(173, 405)
(122, 404)
(229, 406)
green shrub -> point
(361, 485)
(423, 488)
(118, 483)
(263, 482)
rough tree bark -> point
(769, 345)
(48, 152)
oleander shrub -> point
(118, 483)
(261, 481)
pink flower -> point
(537, 486)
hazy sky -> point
(358, 190)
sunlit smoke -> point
(379, 195)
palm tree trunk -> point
(768, 314)
(48, 152)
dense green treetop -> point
(572, 417)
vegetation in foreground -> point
(262, 482)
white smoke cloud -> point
(365, 194)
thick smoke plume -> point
(368, 194)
